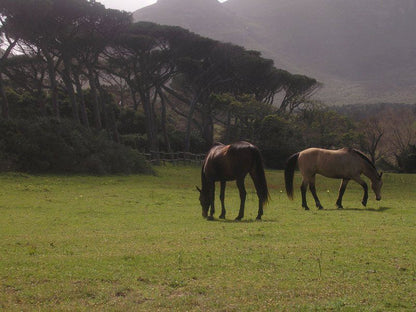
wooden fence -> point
(174, 157)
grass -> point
(139, 243)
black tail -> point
(289, 173)
(261, 185)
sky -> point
(129, 5)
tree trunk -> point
(102, 104)
(150, 122)
(96, 105)
(5, 101)
(66, 77)
(116, 134)
(208, 129)
(53, 84)
(164, 121)
(83, 109)
(228, 128)
(191, 112)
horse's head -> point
(376, 185)
(205, 202)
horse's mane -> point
(364, 157)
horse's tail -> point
(261, 185)
(289, 173)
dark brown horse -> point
(346, 164)
(227, 163)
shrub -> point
(49, 145)
(407, 160)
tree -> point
(64, 31)
(141, 57)
(244, 115)
(372, 131)
(326, 128)
(28, 73)
(34, 22)
(401, 135)
(278, 138)
(298, 90)
(202, 70)
(11, 43)
(99, 32)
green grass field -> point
(139, 243)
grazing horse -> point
(346, 164)
(227, 163)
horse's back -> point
(341, 163)
(228, 162)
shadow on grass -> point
(380, 209)
(243, 221)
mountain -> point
(361, 50)
(208, 18)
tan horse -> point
(232, 162)
(346, 164)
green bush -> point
(49, 145)
(407, 160)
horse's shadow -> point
(380, 209)
(243, 221)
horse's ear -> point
(199, 190)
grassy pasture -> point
(139, 243)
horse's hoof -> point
(320, 207)
(237, 219)
(210, 218)
(364, 203)
(222, 217)
(306, 208)
(340, 207)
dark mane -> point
(365, 158)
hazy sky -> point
(129, 5)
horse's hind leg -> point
(303, 189)
(222, 198)
(341, 192)
(313, 191)
(243, 193)
(258, 191)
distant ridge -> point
(364, 51)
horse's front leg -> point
(212, 199)
(315, 196)
(341, 192)
(365, 188)
(303, 189)
(222, 198)
(243, 193)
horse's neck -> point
(204, 182)
(370, 172)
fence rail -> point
(174, 157)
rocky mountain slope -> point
(363, 51)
